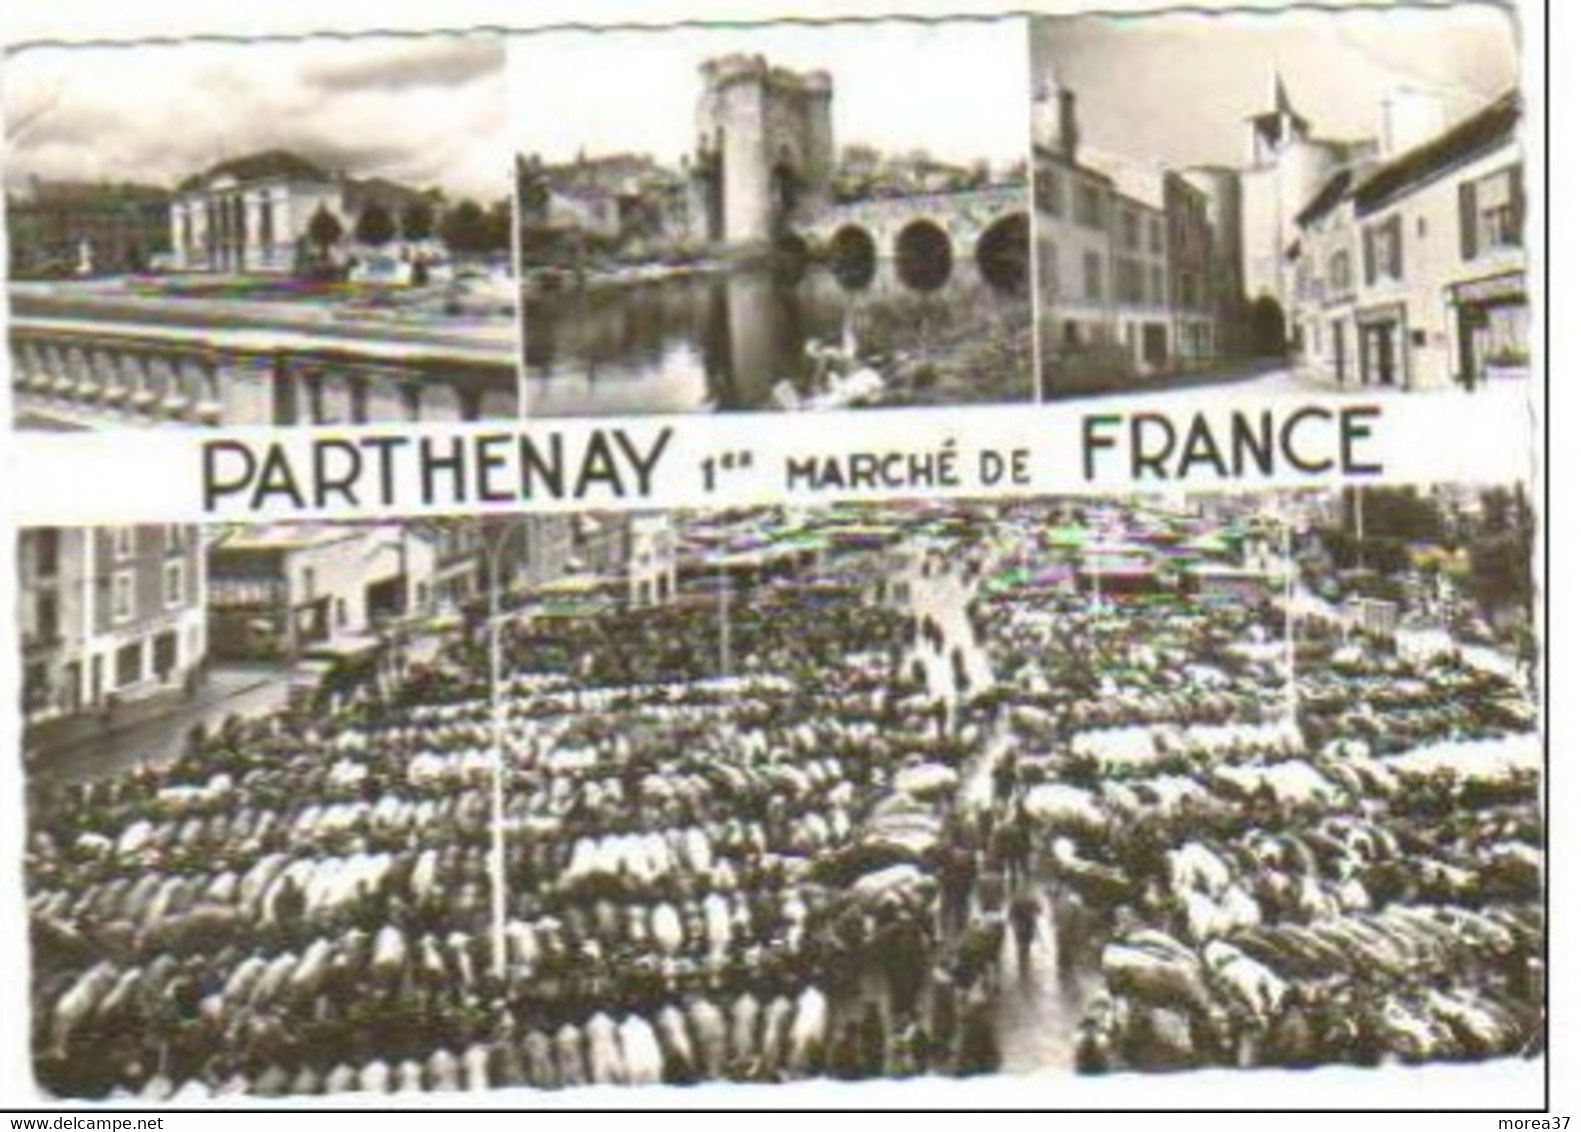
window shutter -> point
(1369, 247)
(1468, 220)
(1518, 206)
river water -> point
(722, 342)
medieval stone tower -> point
(765, 150)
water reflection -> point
(720, 342)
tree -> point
(375, 225)
(1501, 556)
(417, 219)
(324, 231)
(465, 228)
(497, 227)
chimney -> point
(1068, 133)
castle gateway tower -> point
(765, 150)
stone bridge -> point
(988, 226)
(90, 373)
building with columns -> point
(255, 213)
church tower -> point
(1286, 167)
(1278, 127)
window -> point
(46, 555)
(1155, 279)
(122, 604)
(1491, 211)
(175, 539)
(175, 583)
(167, 649)
(1128, 284)
(1048, 191)
(1089, 207)
(1339, 272)
(1384, 251)
(128, 664)
(1130, 230)
(1155, 236)
(1092, 276)
(46, 616)
(121, 543)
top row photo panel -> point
(301, 232)
(1273, 202)
(779, 216)
(774, 217)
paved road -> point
(247, 692)
(1036, 1012)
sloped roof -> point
(1141, 181)
(1489, 127)
(1332, 192)
(261, 165)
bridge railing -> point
(102, 375)
(919, 204)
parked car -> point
(381, 271)
(480, 291)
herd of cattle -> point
(699, 875)
(749, 876)
(1365, 886)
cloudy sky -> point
(958, 89)
(425, 112)
(1180, 87)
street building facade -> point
(625, 199)
(1413, 273)
(76, 228)
(109, 616)
(276, 590)
(1125, 252)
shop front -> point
(1491, 319)
(1381, 336)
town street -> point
(248, 692)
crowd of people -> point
(805, 845)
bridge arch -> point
(1003, 253)
(853, 257)
(924, 255)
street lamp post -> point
(494, 551)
